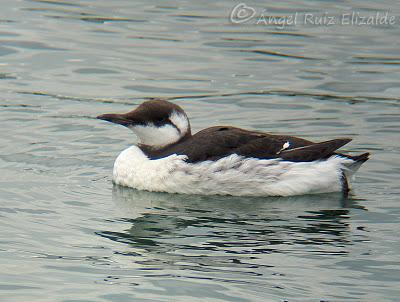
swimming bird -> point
(225, 160)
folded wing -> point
(315, 151)
(217, 142)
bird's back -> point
(220, 141)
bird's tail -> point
(355, 164)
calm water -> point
(68, 235)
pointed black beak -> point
(115, 118)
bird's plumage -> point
(220, 141)
(246, 162)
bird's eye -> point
(161, 119)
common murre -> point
(225, 160)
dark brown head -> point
(157, 123)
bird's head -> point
(157, 123)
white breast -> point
(232, 175)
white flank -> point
(231, 175)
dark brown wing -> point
(217, 142)
(315, 151)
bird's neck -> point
(154, 152)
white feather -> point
(286, 145)
(231, 175)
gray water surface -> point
(67, 234)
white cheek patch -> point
(180, 121)
(162, 136)
(156, 136)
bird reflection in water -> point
(209, 232)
